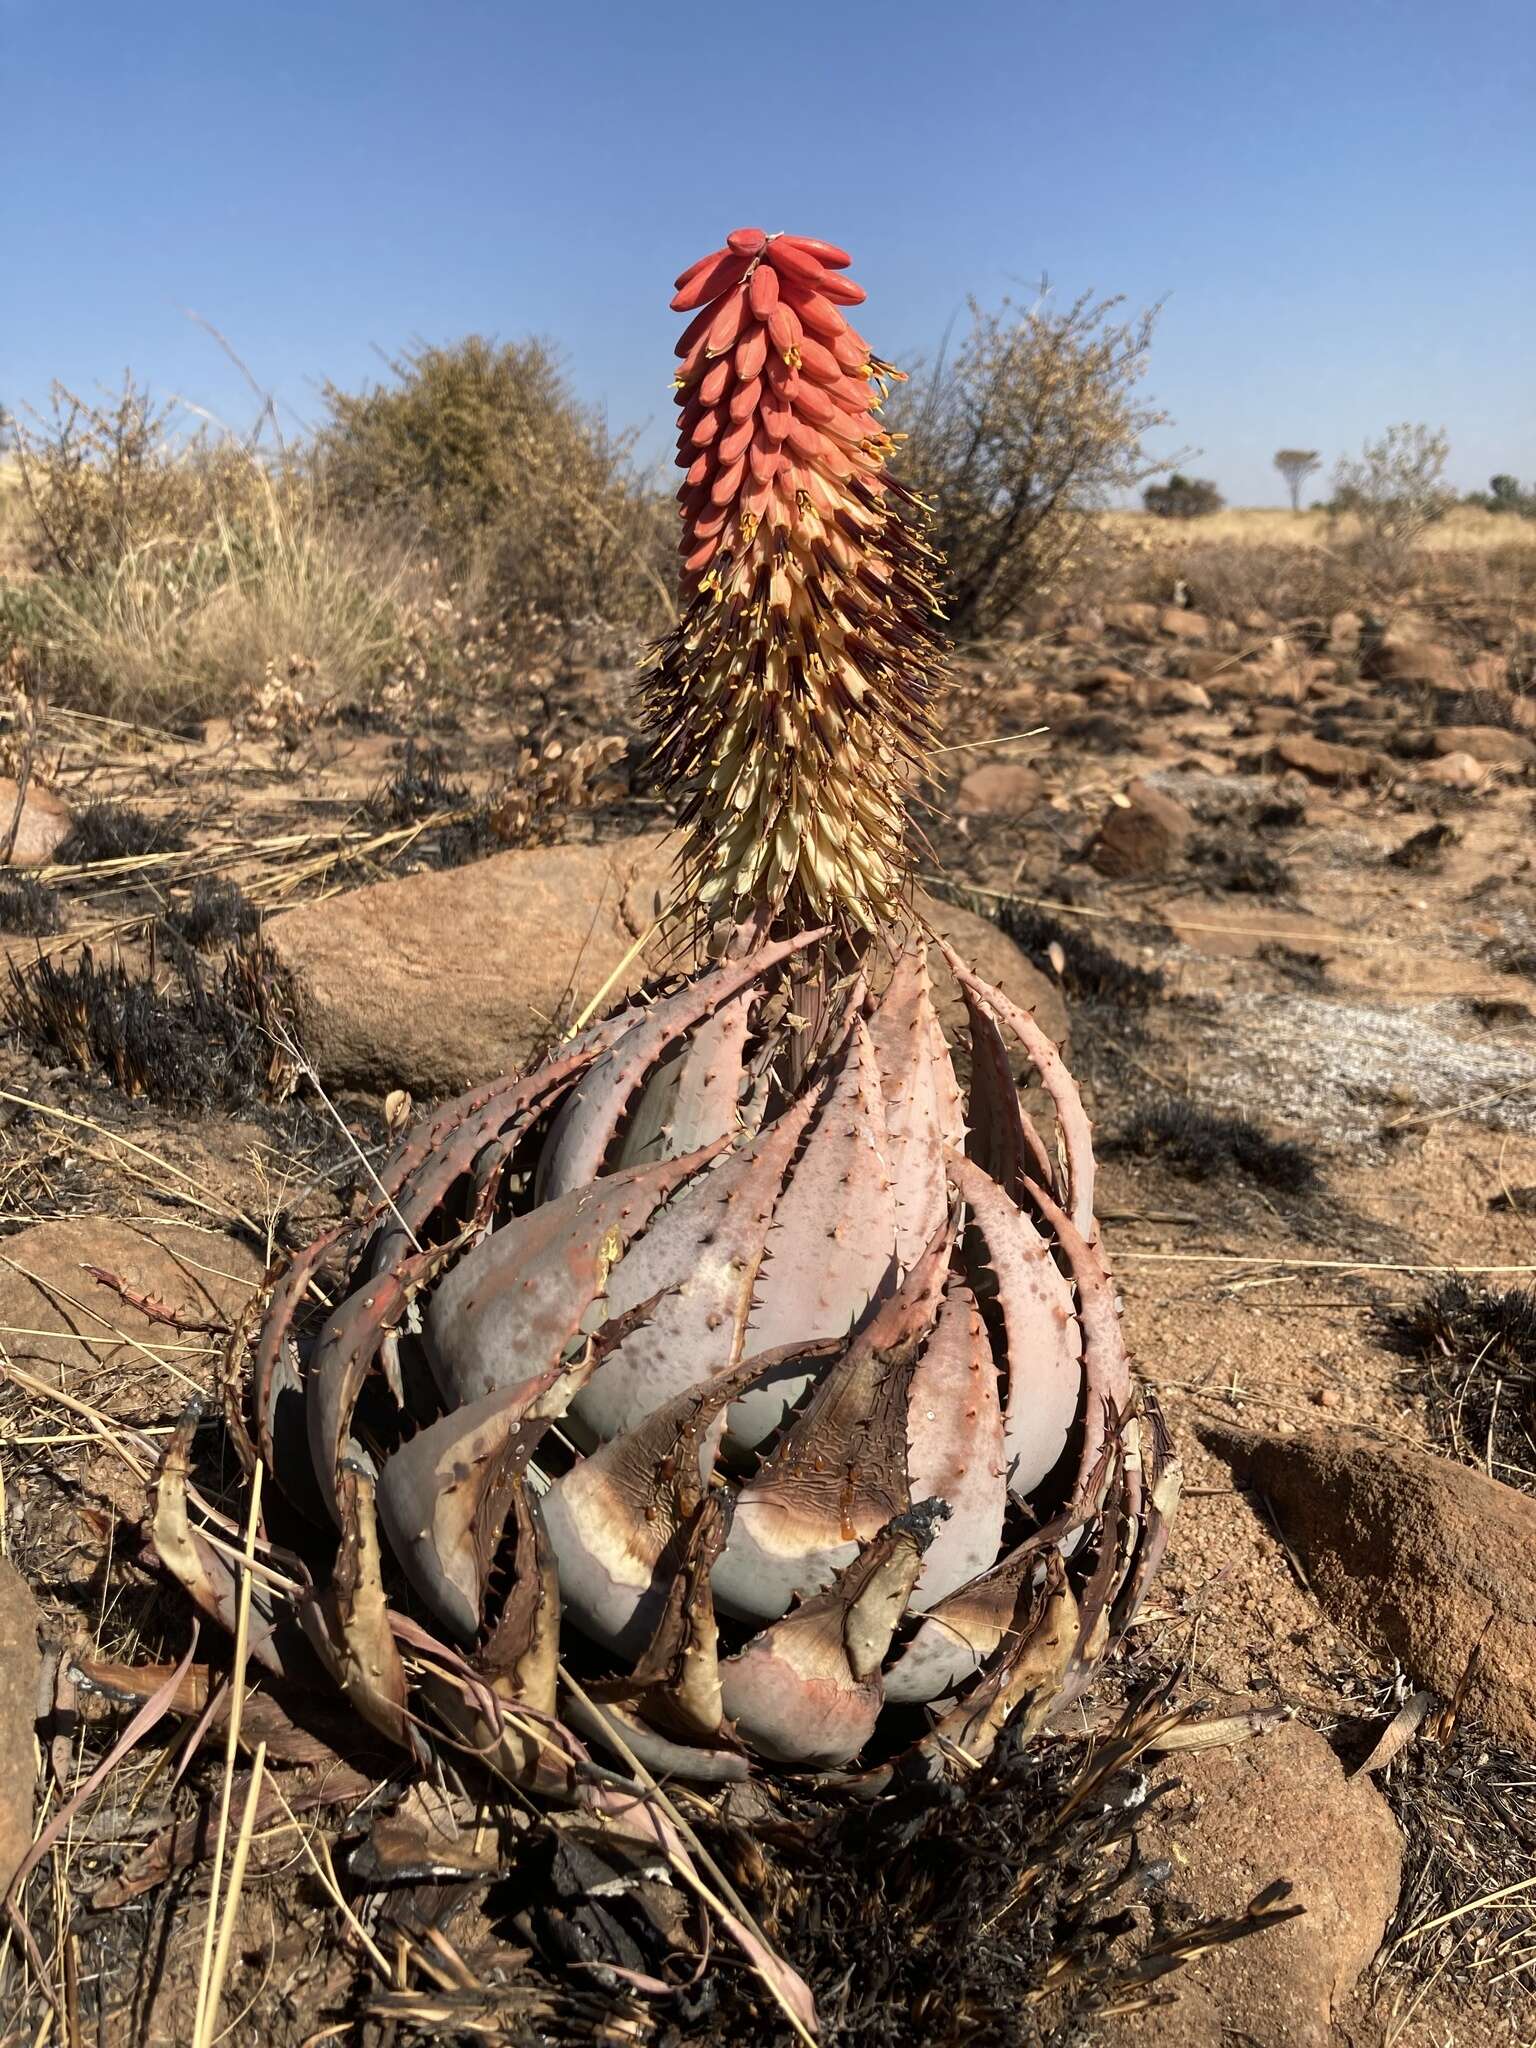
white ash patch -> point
(1339, 1070)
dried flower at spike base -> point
(792, 704)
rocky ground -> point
(1273, 877)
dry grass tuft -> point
(29, 908)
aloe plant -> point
(734, 1353)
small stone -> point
(1107, 677)
(1145, 835)
(1413, 664)
(1177, 624)
(1133, 621)
(1327, 1397)
(1006, 786)
(45, 819)
(1454, 771)
(1491, 743)
(1325, 761)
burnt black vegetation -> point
(185, 1043)
(218, 912)
(30, 908)
(1425, 848)
(1202, 1145)
(1467, 1809)
(1242, 870)
(1475, 1349)
(1090, 971)
(110, 831)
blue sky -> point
(1337, 198)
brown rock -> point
(1344, 632)
(1275, 1807)
(45, 818)
(1489, 673)
(1107, 677)
(1007, 786)
(1413, 663)
(1177, 624)
(1424, 1558)
(57, 1316)
(1079, 635)
(1132, 621)
(1175, 695)
(1490, 743)
(20, 1665)
(439, 979)
(1453, 771)
(1324, 761)
(1144, 836)
(1271, 717)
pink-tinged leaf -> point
(348, 1623)
(921, 1101)
(443, 1496)
(807, 1691)
(1076, 1131)
(614, 1517)
(1106, 1364)
(346, 1353)
(838, 1474)
(511, 1307)
(955, 1448)
(832, 1250)
(1041, 1334)
(1003, 1138)
(590, 1118)
(961, 1632)
(1023, 1686)
(701, 1255)
(694, 1096)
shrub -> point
(1018, 439)
(521, 490)
(1394, 492)
(1183, 497)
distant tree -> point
(1504, 494)
(1183, 497)
(1296, 465)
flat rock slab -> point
(1277, 1807)
(20, 1666)
(438, 980)
(66, 1329)
(1422, 1557)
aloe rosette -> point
(735, 1357)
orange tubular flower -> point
(793, 702)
